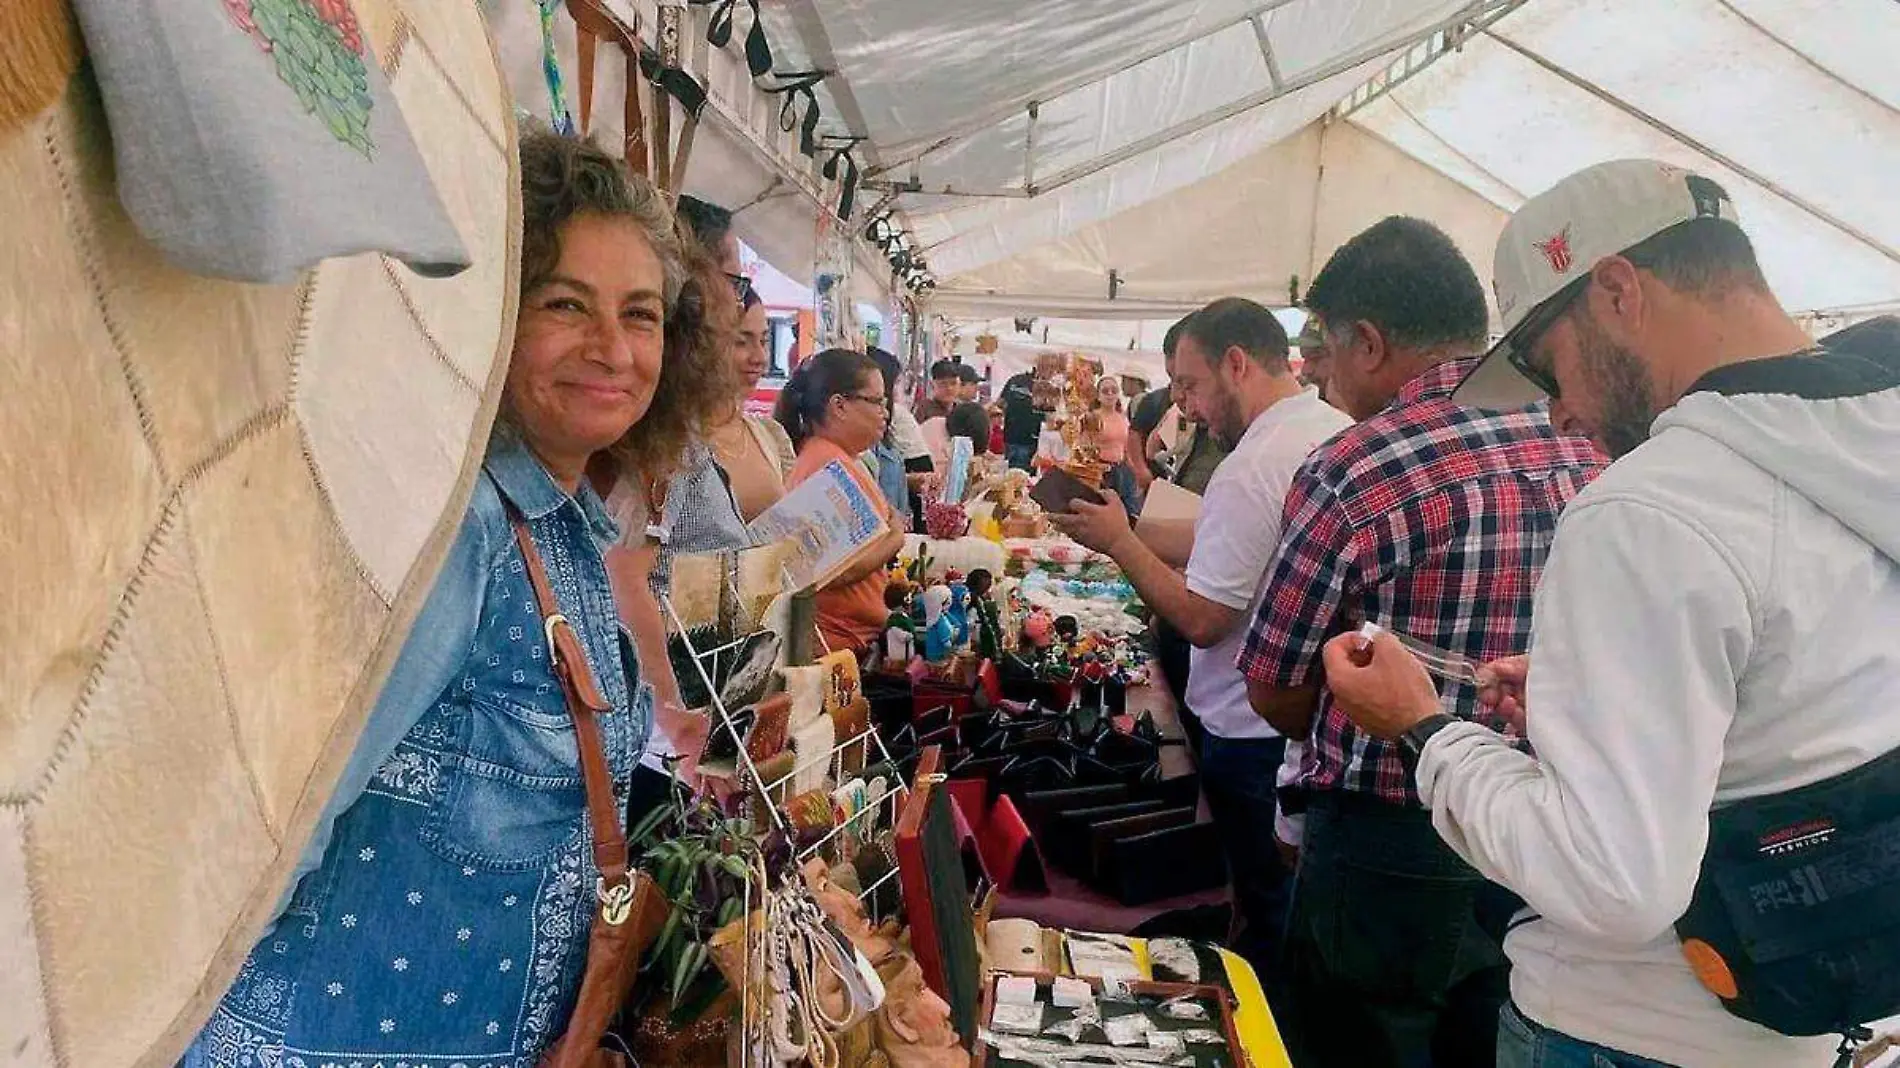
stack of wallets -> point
(1136, 844)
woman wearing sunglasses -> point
(834, 408)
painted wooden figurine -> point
(989, 626)
(958, 610)
(938, 631)
(900, 630)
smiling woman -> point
(587, 346)
(444, 902)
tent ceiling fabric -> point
(1252, 228)
(1793, 105)
(1807, 156)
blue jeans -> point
(1237, 775)
(1523, 1044)
(1386, 964)
(1120, 478)
(1020, 457)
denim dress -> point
(888, 468)
(440, 917)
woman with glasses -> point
(834, 408)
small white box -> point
(1071, 994)
(1015, 990)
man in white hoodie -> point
(1718, 622)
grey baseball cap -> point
(1551, 244)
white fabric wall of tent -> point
(1203, 147)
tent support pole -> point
(1029, 150)
(1319, 190)
(1266, 51)
(1684, 139)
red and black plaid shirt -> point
(1430, 519)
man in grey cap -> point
(1702, 836)
(1315, 371)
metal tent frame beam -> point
(1468, 20)
(811, 31)
(990, 117)
(1418, 56)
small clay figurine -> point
(1039, 629)
(989, 627)
(900, 630)
(1090, 677)
(1068, 630)
(958, 610)
(938, 631)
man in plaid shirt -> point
(1431, 520)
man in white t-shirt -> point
(1232, 372)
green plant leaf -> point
(649, 824)
(730, 910)
(670, 932)
(688, 968)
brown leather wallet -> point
(771, 718)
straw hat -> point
(224, 504)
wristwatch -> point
(1412, 742)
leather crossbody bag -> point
(632, 909)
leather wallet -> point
(1141, 868)
(771, 718)
(1008, 854)
(1105, 835)
(1068, 840)
(1039, 806)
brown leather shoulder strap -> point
(584, 703)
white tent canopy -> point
(1203, 147)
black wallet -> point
(1067, 843)
(1104, 836)
(1141, 868)
(1040, 805)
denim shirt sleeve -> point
(435, 651)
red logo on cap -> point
(1557, 250)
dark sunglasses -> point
(742, 285)
(1529, 332)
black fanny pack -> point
(1795, 922)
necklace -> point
(729, 441)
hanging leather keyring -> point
(594, 23)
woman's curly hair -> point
(699, 383)
(565, 177)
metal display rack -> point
(867, 741)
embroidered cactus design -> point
(318, 48)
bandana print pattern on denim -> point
(447, 923)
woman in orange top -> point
(834, 407)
